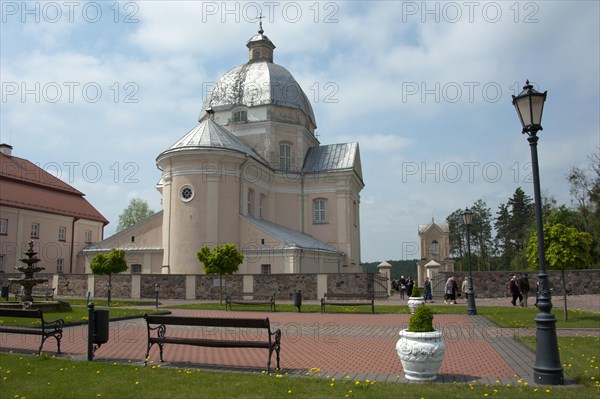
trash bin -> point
(298, 299)
(101, 320)
(4, 292)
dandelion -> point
(137, 383)
(289, 391)
(547, 391)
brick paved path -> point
(357, 346)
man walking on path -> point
(524, 288)
(513, 287)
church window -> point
(3, 226)
(251, 202)
(60, 264)
(136, 268)
(187, 193)
(265, 269)
(320, 211)
(35, 230)
(62, 233)
(256, 54)
(285, 156)
(240, 116)
(435, 247)
(262, 203)
(87, 236)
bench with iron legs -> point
(46, 329)
(217, 333)
(250, 298)
(346, 299)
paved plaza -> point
(357, 346)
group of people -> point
(519, 289)
(404, 287)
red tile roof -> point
(25, 185)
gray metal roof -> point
(330, 157)
(257, 83)
(290, 238)
(208, 134)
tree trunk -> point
(220, 289)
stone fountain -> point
(27, 281)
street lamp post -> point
(547, 369)
(471, 307)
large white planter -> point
(414, 302)
(421, 354)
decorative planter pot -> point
(414, 302)
(421, 354)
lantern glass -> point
(530, 107)
(467, 217)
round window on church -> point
(186, 194)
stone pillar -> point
(190, 287)
(136, 286)
(321, 285)
(385, 269)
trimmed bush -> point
(421, 320)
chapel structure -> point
(434, 240)
(253, 173)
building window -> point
(256, 54)
(187, 193)
(262, 203)
(320, 211)
(2, 261)
(3, 226)
(87, 236)
(435, 247)
(35, 230)
(60, 263)
(265, 269)
(240, 116)
(62, 233)
(251, 202)
(285, 156)
(136, 269)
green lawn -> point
(28, 376)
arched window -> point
(240, 116)
(435, 247)
(251, 202)
(262, 206)
(256, 54)
(320, 211)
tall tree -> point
(513, 226)
(109, 264)
(136, 211)
(585, 190)
(565, 248)
(223, 259)
(481, 233)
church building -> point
(252, 173)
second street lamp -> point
(547, 369)
(470, 294)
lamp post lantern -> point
(470, 294)
(547, 370)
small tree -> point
(565, 249)
(223, 259)
(136, 211)
(107, 264)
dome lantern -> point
(260, 46)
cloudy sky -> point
(94, 91)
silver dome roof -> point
(209, 135)
(257, 83)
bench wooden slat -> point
(348, 299)
(45, 330)
(273, 342)
(257, 299)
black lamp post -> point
(156, 289)
(108, 289)
(471, 308)
(548, 369)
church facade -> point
(252, 173)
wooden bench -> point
(221, 338)
(256, 299)
(45, 330)
(330, 298)
(38, 292)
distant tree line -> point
(399, 268)
(508, 239)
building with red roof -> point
(37, 206)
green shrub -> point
(416, 292)
(421, 320)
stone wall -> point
(203, 287)
(495, 284)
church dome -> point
(258, 82)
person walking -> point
(409, 286)
(427, 290)
(513, 287)
(402, 283)
(450, 291)
(464, 287)
(524, 288)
